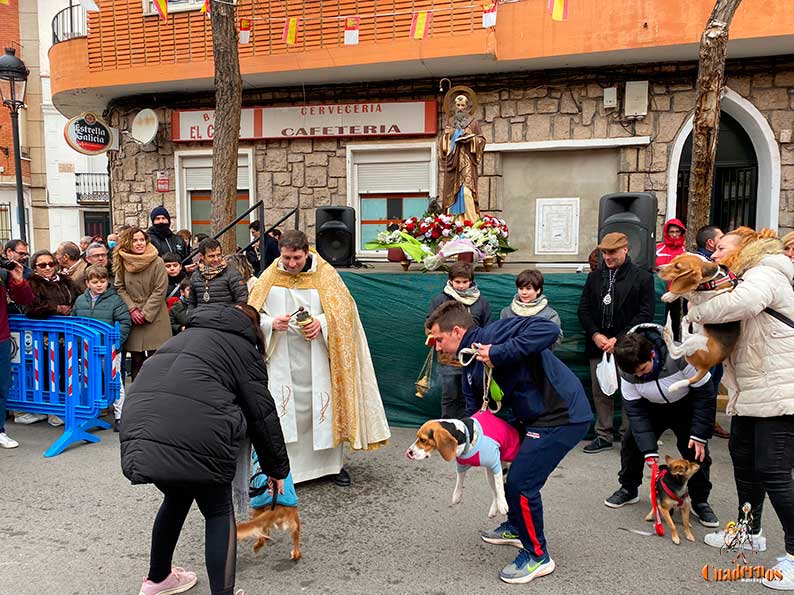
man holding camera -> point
(13, 284)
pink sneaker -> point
(179, 581)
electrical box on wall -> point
(635, 104)
(611, 97)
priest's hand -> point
(281, 323)
(312, 329)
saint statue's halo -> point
(449, 99)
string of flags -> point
(420, 19)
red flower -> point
(467, 223)
(410, 227)
(436, 233)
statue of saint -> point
(461, 146)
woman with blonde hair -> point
(788, 245)
(142, 281)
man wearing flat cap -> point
(616, 297)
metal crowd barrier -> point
(64, 366)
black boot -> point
(342, 478)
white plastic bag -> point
(607, 375)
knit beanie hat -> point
(161, 210)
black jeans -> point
(678, 418)
(220, 534)
(453, 406)
(762, 451)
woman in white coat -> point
(759, 376)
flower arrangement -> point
(432, 238)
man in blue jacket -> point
(547, 402)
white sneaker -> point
(54, 421)
(29, 418)
(717, 539)
(6, 442)
(785, 568)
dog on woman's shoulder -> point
(698, 280)
(272, 512)
(671, 493)
(482, 440)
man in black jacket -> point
(272, 251)
(654, 403)
(214, 282)
(616, 297)
(161, 235)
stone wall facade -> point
(519, 107)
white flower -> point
(428, 234)
(432, 262)
(445, 233)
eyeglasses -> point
(98, 255)
(45, 265)
(22, 254)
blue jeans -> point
(540, 453)
(5, 379)
(453, 405)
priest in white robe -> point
(320, 375)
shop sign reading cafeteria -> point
(385, 118)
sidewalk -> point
(74, 525)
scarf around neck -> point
(135, 263)
(466, 297)
(208, 273)
(520, 308)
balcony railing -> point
(69, 23)
(125, 38)
(92, 189)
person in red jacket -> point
(671, 246)
(673, 243)
(13, 284)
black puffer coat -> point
(186, 413)
(227, 288)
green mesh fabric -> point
(393, 307)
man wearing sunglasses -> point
(17, 250)
(13, 285)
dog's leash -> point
(657, 517)
(254, 491)
(489, 387)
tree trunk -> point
(228, 101)
(711, 76)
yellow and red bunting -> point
(245, 30)
(420, 24)
(4, 2)
(161, 6)
(489, 15)
(206, 8)
(558, 9)
(290, 34)
(352, 25)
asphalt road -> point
(73, 525)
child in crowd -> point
(101, 302)
(461, 288)
(173, 266)
(530, 301)
(178, 311)
(647, 373)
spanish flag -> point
(420, 24)
(162, 8)
(352, 25)
(558, 9)
(4, 2)
(206, 8)
(290, 31)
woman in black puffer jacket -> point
(185, 417)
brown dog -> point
(671, 492)
(284, 518)
(698, 280)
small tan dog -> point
(698, 280)
(671, 492)
(284, 518)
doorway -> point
(96, 223)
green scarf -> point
(520, 308)
(466, 297)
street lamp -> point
(13, 80)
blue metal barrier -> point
(64, 366)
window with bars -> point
(5, 222)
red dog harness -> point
(722, 279)
(656, 475)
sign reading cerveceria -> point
(88, 134)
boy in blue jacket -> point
(101, 302)
(547, 401)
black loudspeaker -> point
(634, 214)
(336, 235)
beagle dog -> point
(697, 279)
(482, 440)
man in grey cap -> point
(616, 297)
